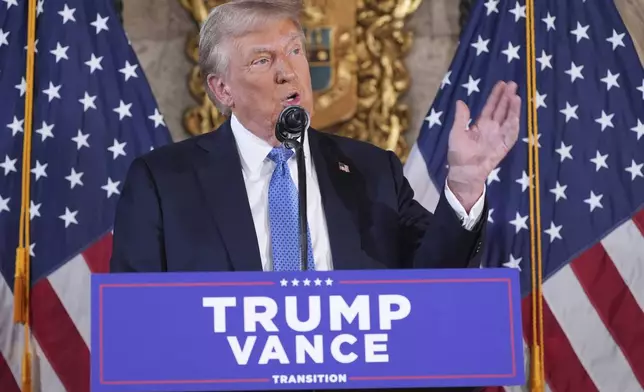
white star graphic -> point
(129, 70)
(544, 60)
(639, 129)
(22, 87)
(284, 283)
(599, 161)
(60, 52)
(69, 217)
(513, 263)
(123, 110)
(525, 140)
(550, 22)
(9, 165)
(635, 170)
(481, 45)
(524, 181)
(306, 282)
(4, 204)
(67, 14)
(640, 88)
(610, 80)
(157, 118)
(512, 52)
(575, 72)
(329, 281)
(100, 23)
(489, 215)
(519, 222)
(52, 91)
(446, 81)
(117, 149)
(616, 39)
(471, 85)
(39, 7)
(4, 38)
(11, 3)
(94, 63)
(16, 126)
(295, 282)
(434, 118)
(494, 176)
(45, 131)
(34, 209)
(111, 187)
(564, 151)
(318, 282)
(518, 11)
(580, 32)
(541, 100)
(606, 120)
(81, 140)
(31, 250)
(570, 111)
(554, 232)
(88, 101)
(594, 201)
(35, 46)
(491, 6)
(559, 191)
(39, 170)
(74, 179)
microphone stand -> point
(301, 180)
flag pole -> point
(22, 282)
(537, 381)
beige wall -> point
(158, 28)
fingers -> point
(493, 100)
(501, 112)
(461, 117)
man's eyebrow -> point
(265, 49)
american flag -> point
(590, 99)
(94, 112)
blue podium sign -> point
(246, 331)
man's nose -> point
(285, 72)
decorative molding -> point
(369, 52)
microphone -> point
(291, 124)
(289, 130)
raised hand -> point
(473, 153)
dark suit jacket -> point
(183, 207)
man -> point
(227, 200)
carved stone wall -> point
(158, 28)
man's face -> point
(267, 71)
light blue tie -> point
(283, 216)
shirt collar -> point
(253, 150)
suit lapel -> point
(339, 190)
(222, 182)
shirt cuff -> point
(468, 220)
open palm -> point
(473, 153)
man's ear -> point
(220, 89)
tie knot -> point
(280, 154)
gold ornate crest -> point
(356, 53)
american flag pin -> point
(343, 167)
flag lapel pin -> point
(343, 167)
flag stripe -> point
(593, 345)
(62, 345)
(98, 255)
(11, 334)
(43, 373)
(614, 303)
(625, 246)
(563, 370)
(75, 297)
(7, 381)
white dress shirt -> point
(257, 170)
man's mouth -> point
(293, 99)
